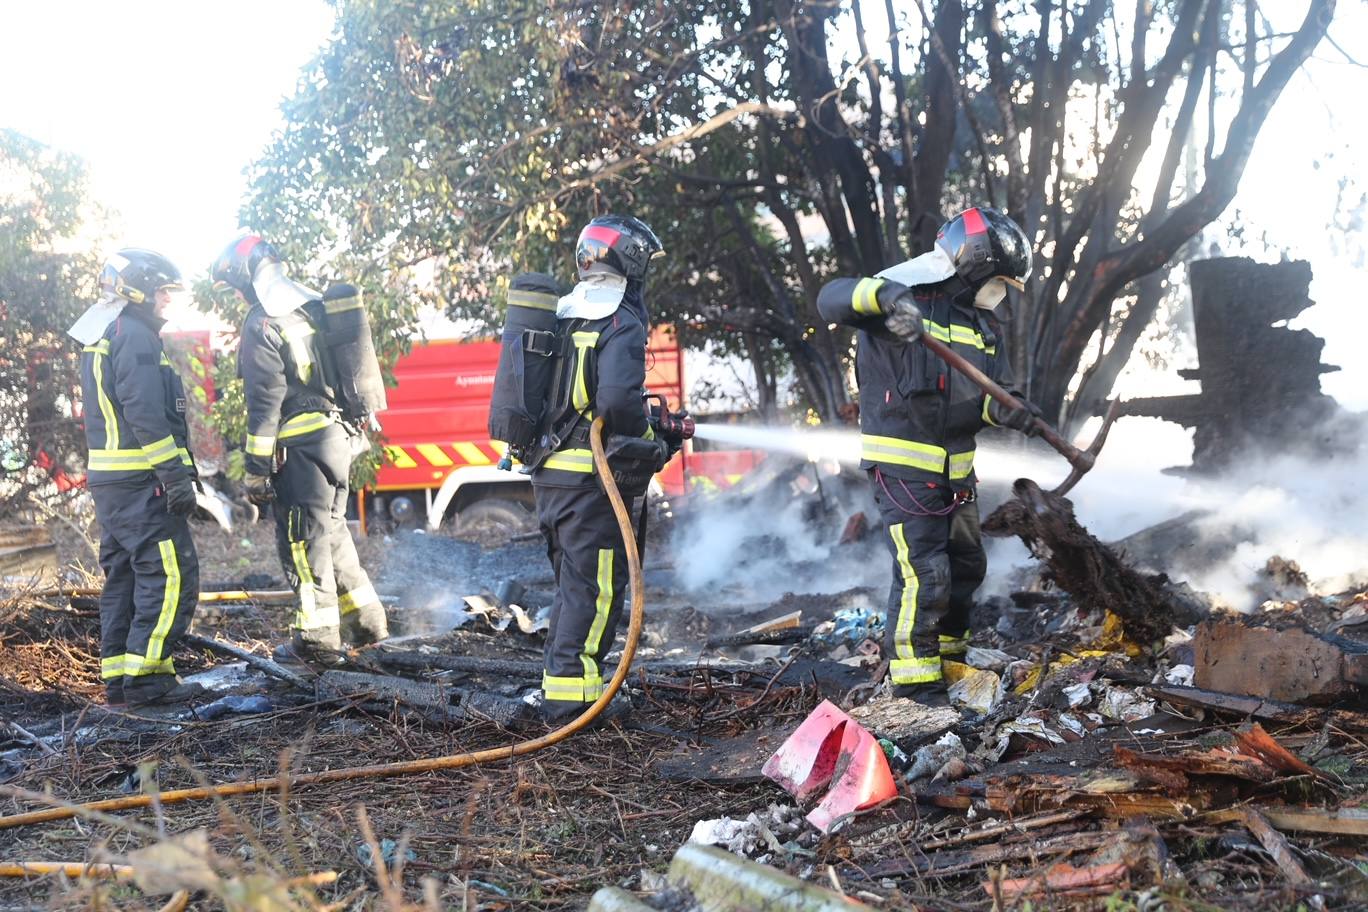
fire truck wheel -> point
(494, 518)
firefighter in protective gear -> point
(605, 376)
(918, 421)
(141, 477)
(298, 455)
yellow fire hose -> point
(431, 764)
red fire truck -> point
(442, 466)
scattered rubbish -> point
(389, 853)
(1288, 663)
(988, 659)
(758, 830)
(980, 691)
(233, 704)
(930, 760)
(1125, 705)
(829, 752)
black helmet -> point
(617, 245)
(237, 265)
(137, 275)
(984, 244)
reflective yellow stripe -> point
(864, 299)
(907, 605)
(137, 666)
(156, 644)
(357, 599)
(161, 451)
(400, 458)
(304, 423)
(602, 605)
(961, 465)
(296, 335)
(111, 419)
(434, 454)
(532, 299)
(118, 461)
(953, 645)
(260, 445)
(650, 433)
(342, 305)
(165, 361)
(113, 666)
(572, 690)
(583, 342)
(306, 618)
(957, 332)
(893, 451)
(987, 415)
(915, 671)
(571, 461)
(472, 454)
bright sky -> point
(169, 100)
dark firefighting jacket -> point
(134, 404)
(606, 375)
(282, 376)
(918, 416)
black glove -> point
(180, 493)
(258, 488)
(904, 319)
(1022, 419)
(665, 451)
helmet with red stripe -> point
(617, 245)
(237, 265)
(984, 244)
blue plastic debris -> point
(233, 703)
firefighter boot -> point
(322, 648)
(932, 694)
(160, 690)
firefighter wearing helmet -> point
(605, 320)
(299, 449)
(918, 421)
(142, 479)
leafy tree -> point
(50, 234)
(439, 147)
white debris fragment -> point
(1125, 705)
(990, 659)
(757, 831)
(980, 691)
(1031, 727)
(931, 758)
(1079, 694)
(1180, 675)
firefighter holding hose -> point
(311, 380)
(918, 421)
(142, 479)
(601, 328)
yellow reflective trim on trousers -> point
(163, 450)
(865, 299)
(135, 666)
(111, 418)
(953, 645)
(571, 461)
(260, 445)
(156, 644)
(907, 604)
(572, 690)
(117, 461)
(304, 423)
(113, 667)
(915, 671)
(602, 605)
(583, 342)
(961, 465)
(307, 616)
(356, 599)
(894, 451)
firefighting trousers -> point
(151, 584)
(590, 565)
(938, 563)
(336, 599)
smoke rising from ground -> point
(1312, 511)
